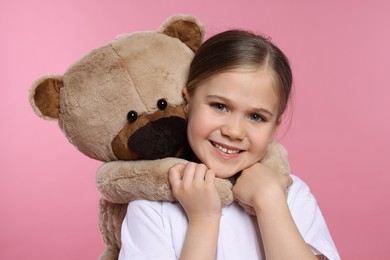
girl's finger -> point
(175, 173)
(200, 173)
(210, 176)
(189, 172)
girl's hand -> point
(193, 186)
(259, 186)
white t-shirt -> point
(156, 230)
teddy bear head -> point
(123, 101)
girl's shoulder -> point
(309, 219)
(299, 191)
(298, 185)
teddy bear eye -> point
(162, 104)
(132, 116)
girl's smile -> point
(225, 149)
(232, 119)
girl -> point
(237, 90)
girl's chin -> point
(223, 171)
(224, 174)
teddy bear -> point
(122, 104)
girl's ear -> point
(276, 128)
(186, 97)
(185, 94)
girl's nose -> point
(233, 128)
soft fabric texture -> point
(156, 230)
(122, 104)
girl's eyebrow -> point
(263, 111)
(259, 110)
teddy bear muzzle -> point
(158, 139)
(152, 136)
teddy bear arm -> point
(224, 188)
(125, 181)
(276, 158)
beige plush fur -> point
(95, 102)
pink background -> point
(338, 140)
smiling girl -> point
(238, 88)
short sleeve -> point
(309, 220)
(143, 233)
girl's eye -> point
(256, 117)
(219, 106)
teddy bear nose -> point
(160, 138)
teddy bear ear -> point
(44, 96)
(186, 28)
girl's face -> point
(232, 117)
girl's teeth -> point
(225, 150)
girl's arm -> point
(193, 186)
(266, 192)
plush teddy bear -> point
(122, 104)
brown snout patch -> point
(152, 136)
